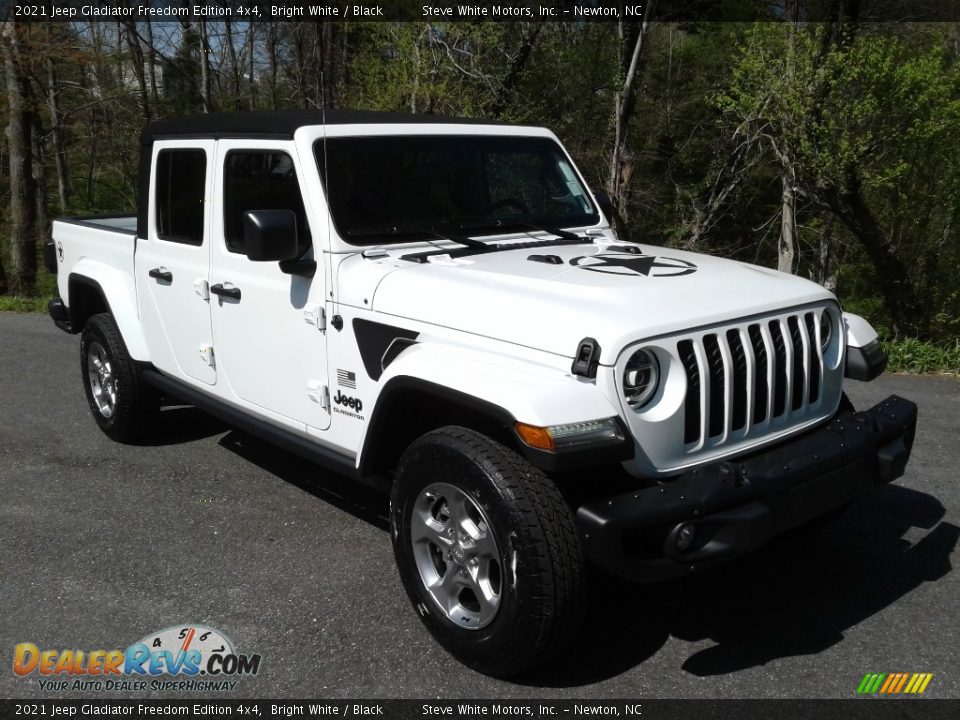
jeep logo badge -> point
(354, 404)
(632, 264)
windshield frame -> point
(424, 234)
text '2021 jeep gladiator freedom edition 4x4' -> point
(439, 307)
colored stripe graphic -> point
(894, 683)
(891, 681)
(919, 683)
(899, 687)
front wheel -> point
(487, 551)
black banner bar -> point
(578, 11)
(859, 709)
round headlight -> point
(640, 378)
(826, 330)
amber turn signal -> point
(538, 437)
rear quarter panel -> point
(105, 257)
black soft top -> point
(281, 123)
(274, 124)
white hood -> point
(595, 290)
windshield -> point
(401, 188)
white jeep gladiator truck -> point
(439, 307)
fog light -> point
(685, 537)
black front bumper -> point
(736, 506)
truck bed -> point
(97, 248)
(124, 224)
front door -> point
(267, 324)
(173, 261)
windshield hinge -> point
(206, 354)
(319, 393)
(315, 315)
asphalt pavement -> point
(102, 544)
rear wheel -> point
(487, 550)
(122, 405)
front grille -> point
(739, 357)
(691, 405)
(745, 378)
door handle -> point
(230, 292)
(161, 273)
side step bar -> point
(282, 437)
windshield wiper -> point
(395, 231)
(565, 234)
(455, 237)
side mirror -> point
(270, 235)
(606, 205)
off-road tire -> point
(136, 403)
(541, 591)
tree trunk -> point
(23, 210)
(39, 172)
(272, 60)
(251, 47)
(416, 75)
(829, 257)
(299, 67)
(316, 64)
(788, 223)
(152, 61)
(621, 162)
(136, 53)
(56, 127)
(329, 79)
(92, 130)
(205, 68)
(512, 78)
(899, 292)
(235, 72)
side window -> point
(260, 180)
(180, 191)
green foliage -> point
(46, 289)
(16, 303)
(916, 356)
(882, 105)
(440, 68)
(876, 117)
(182, 80)
(866, 107)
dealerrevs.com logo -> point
(187, 657)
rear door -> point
(172, 263)
(270, 342)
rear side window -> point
(181, 185)
(260, 180)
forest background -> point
(829, 149)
